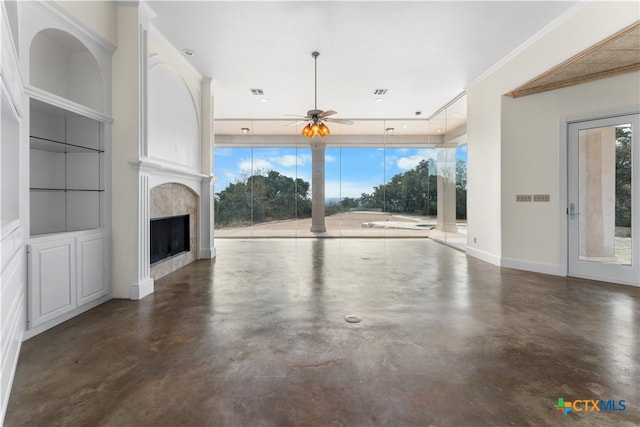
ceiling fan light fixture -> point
(324, 130)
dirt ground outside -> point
(351, 224)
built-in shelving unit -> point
(66, 171)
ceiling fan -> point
(316, 119)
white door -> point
(603, 199)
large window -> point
(402, 177)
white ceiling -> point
(424, 52)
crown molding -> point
(527, 44)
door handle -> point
(572, 211)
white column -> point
(206, 241)
(130, 186)
(317, 187)
(145, 285)
(446, 190)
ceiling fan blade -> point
(327, 114)
(295, 123)
(297, 115)
(341, 121)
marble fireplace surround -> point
(171, 184)
(171, 199)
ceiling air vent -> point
(257, 91)
(380, 91)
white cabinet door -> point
(52, 280)
(92, 261)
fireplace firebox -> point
(169, 237)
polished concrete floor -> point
(257, 337)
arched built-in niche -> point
(173, 120)
(61, 64)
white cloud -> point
(259, 165)
(287, 160)
(410, 162)
(329, 158)
(225, 152)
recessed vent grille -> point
(380, 91)
(257, 91)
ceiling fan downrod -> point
(315, 87)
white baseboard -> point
(536, 267)
(207, 253)
(142, 289)
(484, 256)
(32, 332)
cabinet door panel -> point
(92, 278)
(52, 280)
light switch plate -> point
(541, 198)
(523, 197)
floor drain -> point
(352, 318)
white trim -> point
(32, 332)
(602, 114)
(484, 256)
(537, 267)
(207, 253)
(85, 31)
(153, 167)
(142, 289)
(527, 44)
(64, 103)
(607, 280)
(143, 85)
(563, 204)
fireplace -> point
(169, 237)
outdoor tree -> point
(269, 196)
(623, 177)
(262, 197)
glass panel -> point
(48, 211)
(232, 192)
(362, 184)
(278, 195)
(381, 176)
(604, 195)
(83, 210)
(461, 189)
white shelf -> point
(67, 170)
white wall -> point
(173, 134)
(100, 16)
(483, 174)
(125, 149)
(495, 135)
(532, 162)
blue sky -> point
(349, 172)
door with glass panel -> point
(603, 199)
